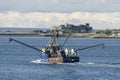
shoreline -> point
(74, 35)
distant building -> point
(76, 29)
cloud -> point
(60, 5)
(48, 19)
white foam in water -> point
(91, 63)
(99, 64)
(40, 61)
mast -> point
(54, 37)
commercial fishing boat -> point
(55, 52)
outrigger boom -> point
(11, 39)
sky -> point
(101, 14)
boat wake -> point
(40, 61)
(92, 64)
(116, 65)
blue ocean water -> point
(18, 62)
